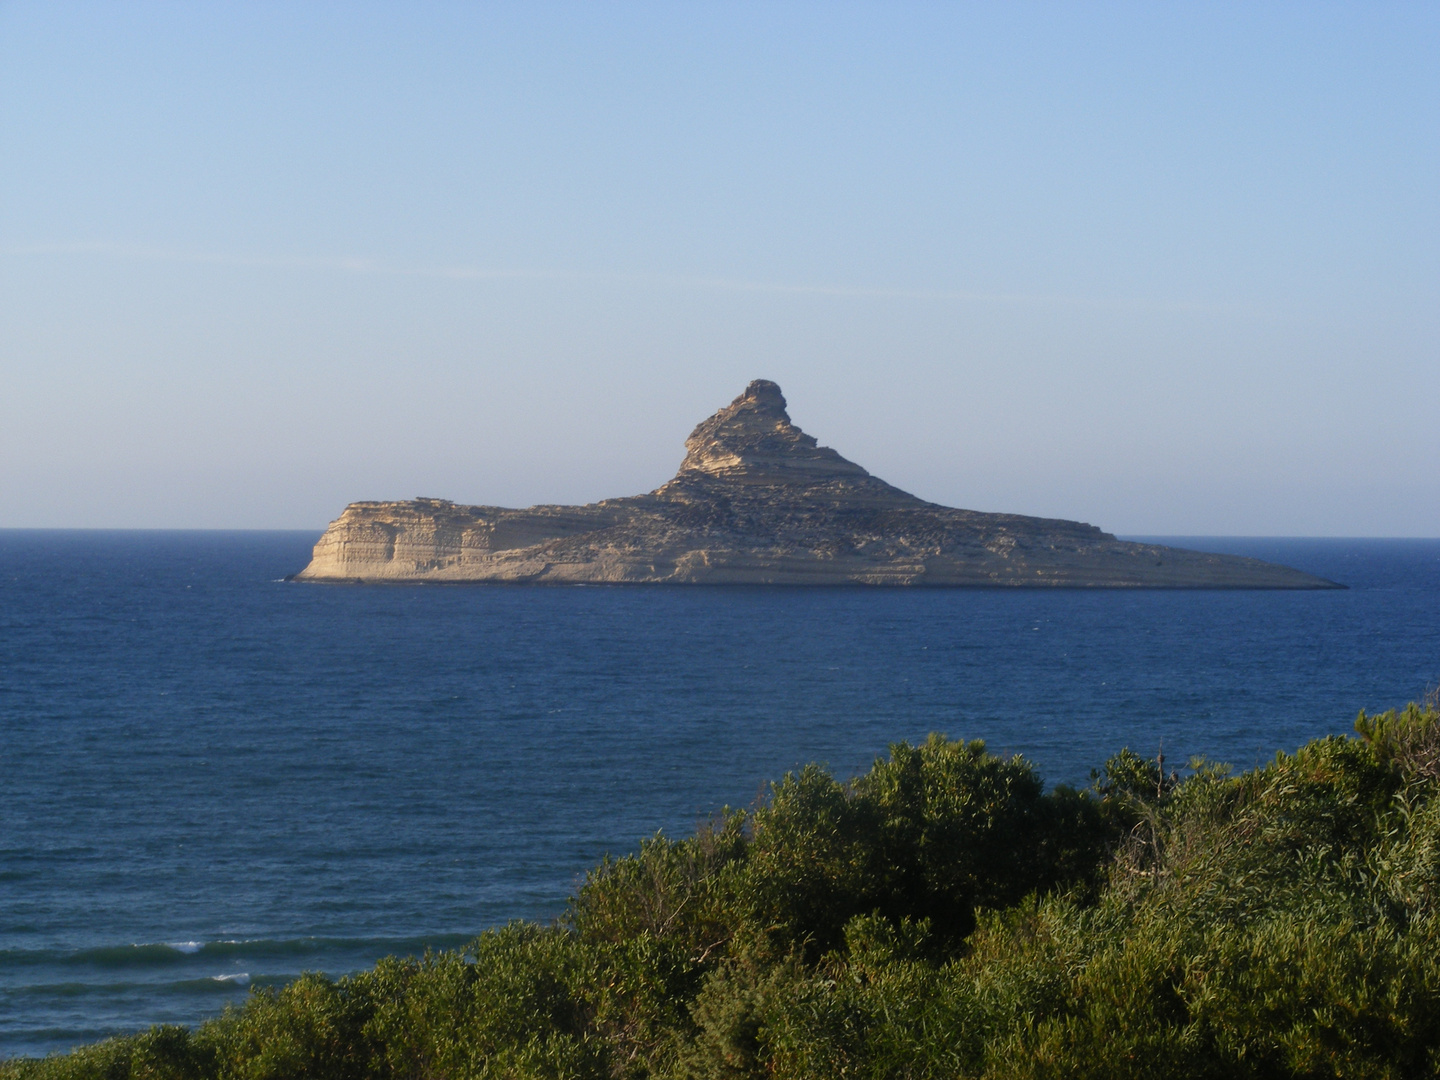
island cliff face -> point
(759, 502)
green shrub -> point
(941, 916)
(514, 1006)
(931, 834)
(312, 1029)
(1408, 740)
(165, 1052)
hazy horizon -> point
(1173, 272)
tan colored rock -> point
(759, 502)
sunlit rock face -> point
(759, 502)
(752, 441)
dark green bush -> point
(930, 834)
(313, 1029)
(940, 916)
(515, 1005)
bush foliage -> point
(941, 916)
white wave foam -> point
(186, 947)
(240, 978)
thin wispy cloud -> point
(470, 272)
(342, 264)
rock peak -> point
(752, 440)
(764, 396)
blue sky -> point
(1163, 268)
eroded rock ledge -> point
(759, 502)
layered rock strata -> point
(759, 502)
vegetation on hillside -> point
(941, 916)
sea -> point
(213, 779)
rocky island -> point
(759, 502)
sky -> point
(1169, 269)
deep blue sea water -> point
(212, 779)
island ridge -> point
(759, 502)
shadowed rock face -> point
(757, 501)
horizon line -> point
(1133, 536)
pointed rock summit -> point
(759, 502)
(752, 440)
